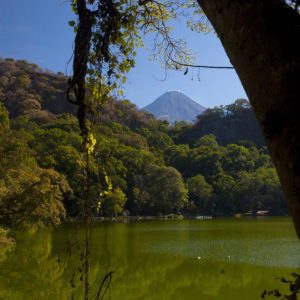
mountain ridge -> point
(175, 106)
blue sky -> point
(38, 31)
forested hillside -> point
(26, 89)
(148, 167)
(232, 123)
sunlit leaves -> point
(33, 198)
(103, 195)
(114, 202)
(119, 28)
(90, 144)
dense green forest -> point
(217, 166)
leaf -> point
(71, 23)
(186, 71)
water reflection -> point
(156, 260)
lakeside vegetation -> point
(151, 168)
(53, 169)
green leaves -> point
(33, 198)
(114, 202)
(4, 121)
(72, 23)
(118, 29)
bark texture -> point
(262, 41)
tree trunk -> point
(262, 41)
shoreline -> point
(126, 219)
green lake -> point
(176, 259)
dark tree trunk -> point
(262, 41)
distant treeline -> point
(209, 168)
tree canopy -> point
(137, 157)
(97, 67)
(265, 57)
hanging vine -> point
(107, 34)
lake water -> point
(165, 260)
